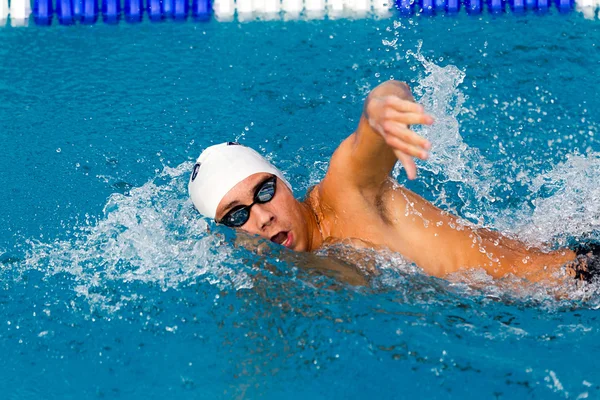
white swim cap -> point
(219, 168)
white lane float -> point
(272, 10)
(258, 6)
(315, 9)
(272, 6)
(292, 8)
(224, 10)
(382, 8)
(3, 12)
(245, 10)
(357, 8)
(588, 8)
(20, 10)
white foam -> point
(567, 197)
(573, 207)
(450, 157)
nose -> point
(263, 216)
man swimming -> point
(358, 202)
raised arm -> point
(383, 136)
(358, 200)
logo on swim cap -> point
(195, 172)
(233, 144)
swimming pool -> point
(114, 287)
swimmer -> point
(359, 203)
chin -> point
(300, 247)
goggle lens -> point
(240, 215)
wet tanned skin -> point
(358, 202)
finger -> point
(403, 105)
(413, 151)
(407, 135)
(409, 118)
(396, 108)
(408, 163)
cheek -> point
(287, 207)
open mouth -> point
(282, 238)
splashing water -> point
(558, 206)
(151, 235)
(451, 159)
(439, 94)
(566, 201)
(561, 204)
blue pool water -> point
(113, 287)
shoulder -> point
(340, 183)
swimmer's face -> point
(280, 219)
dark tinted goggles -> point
(239, 215)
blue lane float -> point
(427, 7)
(452, 6)
(564, 5)
(180, 9)
(517, 6)
(542, 5)
(496, 6)
(111, 11)
(168, 8)
(201, 10)
(474, 6)
(133, 10)
(64, 12)
(77, 7)
(406, 7)
(42, 12)
(154, 10)
(89, 11)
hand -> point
(391, 117)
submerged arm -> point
(329, 266)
